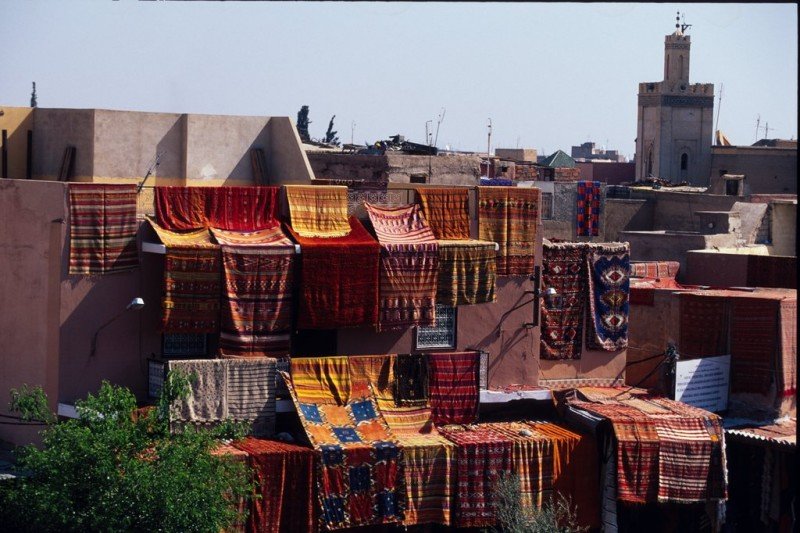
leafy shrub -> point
(109, 470)
(555, 516)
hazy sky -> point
(548, 75)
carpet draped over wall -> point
(228, 208)
(318, 211)
(509, 216)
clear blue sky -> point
(548, 75)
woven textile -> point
(198, 238)
(241, 390)
(563, 269)
(102, 234)
(411, 379)
(609, 287)
(360, 479)
(467, 272)
(704, 325)
(754, 343)
(482, 457)
(284, 475)
(447, 211)
(531, 460)
(256, 308)
(430, 478)
(318, 210)
(231, 453)
(573, 470)
(339, 286)
(771, 271)
(588, 208)
(321, 379)
(683, 461)
(787, 376)
(655, 269)
(454, 387)
(408, 268)
(228, 208)
(508, 216)
(192, 284)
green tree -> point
(303, 123)
(555, 516)
(330, 135)
(114, 469)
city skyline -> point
(549, 76)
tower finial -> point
(678, 20)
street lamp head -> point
(135, 305)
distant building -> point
(608, 172)
(675, 120)
(588, 152)
(767, 167)
(517, 154)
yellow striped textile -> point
(318, 210)
(321, 380)
(467, 272)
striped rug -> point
(229, 208)
(318, 210)
(453, 385)
(467, 272)
(588, 208)
(408, 269)
(509, 216)
(102, 228)
(446, 210)
(563, 269)
(256, 308)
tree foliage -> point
(112, 469)
(330, 135)
(555, 516)
(302, 124)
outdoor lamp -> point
(136, 304)
(552, 298)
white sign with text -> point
(704, 382)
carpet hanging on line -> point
(508, 216)
(704, 325)
(754, 343)
(318, 211)
(482, 457)
(102, 228)
(258, 276)
(339, 281)
(228, 208)
(453, 387)
(408, 267)
(446, 210)
(563, 269)
(285, 476)
(609, 289)
(588, 220)
(192, 282)
(360, 479)
(467, 272)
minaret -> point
(674, 122)
(676, 57)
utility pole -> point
(489, 140)
(758, 126)
(719, 106)
(427, 132)
(438, 123)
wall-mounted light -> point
(552, 298)
(135, 305)
(535, 278)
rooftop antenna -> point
(758, 125)
(439, 123)
(150, 170)
(719, 106)
(489, 140)
(352, 131)
(766, 130)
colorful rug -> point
(508, 216)
(339, 281)
(430, 478)
(563, 269)
(360, 479)
(588, 208)
(467, 272)
(609, 287)
(447, 211)
(454, 387)
(284, 474)
(411, 379)
(256, 308)
(573, 471)
(192, 285)
(222, 389)
(655, 269)
(704, 325)
(754, 343)
(228, 208)
(408, 268)
(771, 271)
(482, 457)
(787, 376)
(318, 211)
(102, 228)
(321, 379)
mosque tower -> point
(674, 129)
